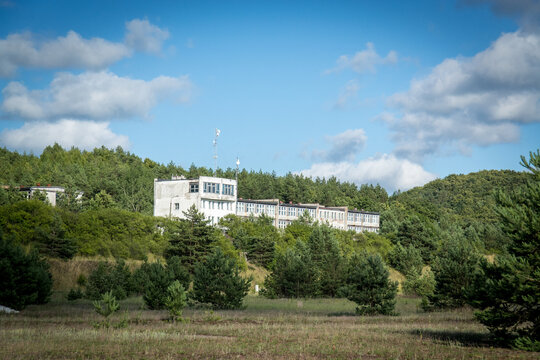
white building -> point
(217, 197)
(49, 191)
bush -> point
(368, 285)
(217, 282)
(421, 285)
(25, 277)
(75, 294)
(108, 277)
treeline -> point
(128, 180)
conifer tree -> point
(507, 292)
(217, 281)
(191, 239)
(368, 285)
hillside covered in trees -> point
(116, 183)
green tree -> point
(507, 292)
(327, 260)
(367, 283)
(217, 281)
(190, 239)
(294, 274)
(454, 269)
(176, 300)
(25, 277)
(406, 259)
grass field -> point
(283, 329)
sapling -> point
(106, 307)
(176, 300)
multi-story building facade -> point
(217, 197)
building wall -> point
(175, 196)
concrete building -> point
(217, 197)
(50, 192)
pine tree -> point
(454, 269)
(217, 281)
(190, 239)
(368, 285)
(327, 259)
(507, 292)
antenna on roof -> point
(215, 148)
(237, 165)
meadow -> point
(265, 329)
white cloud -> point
(348, 93)
(70, 51)
(143, 36)
(387, 170)
(35, 136)
(365, 60)
(480, 100)
(93, 95)
(73, 51)
(344, 146)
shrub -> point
(422, 285)
(108, 277)
(25, 277)
(217, 282)
(368, 285)
(75, 294)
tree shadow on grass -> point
(465, 338)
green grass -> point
(282, 328)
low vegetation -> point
(265, 329)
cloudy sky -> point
(396, 93)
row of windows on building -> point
(212, 188)
(295, 212)
(219, 205)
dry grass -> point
(266, 329)
(66, 272)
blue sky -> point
(389, 92)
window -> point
(239, 207)
(292, 211)
(211, 188)
(228, 189)
(282, 211)
(259, 208)
(249, 207)
(176, 206)
(193, 187)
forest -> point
(439, 236)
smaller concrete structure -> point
(49, 191)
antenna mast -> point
(215, 148)
(237, 165)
